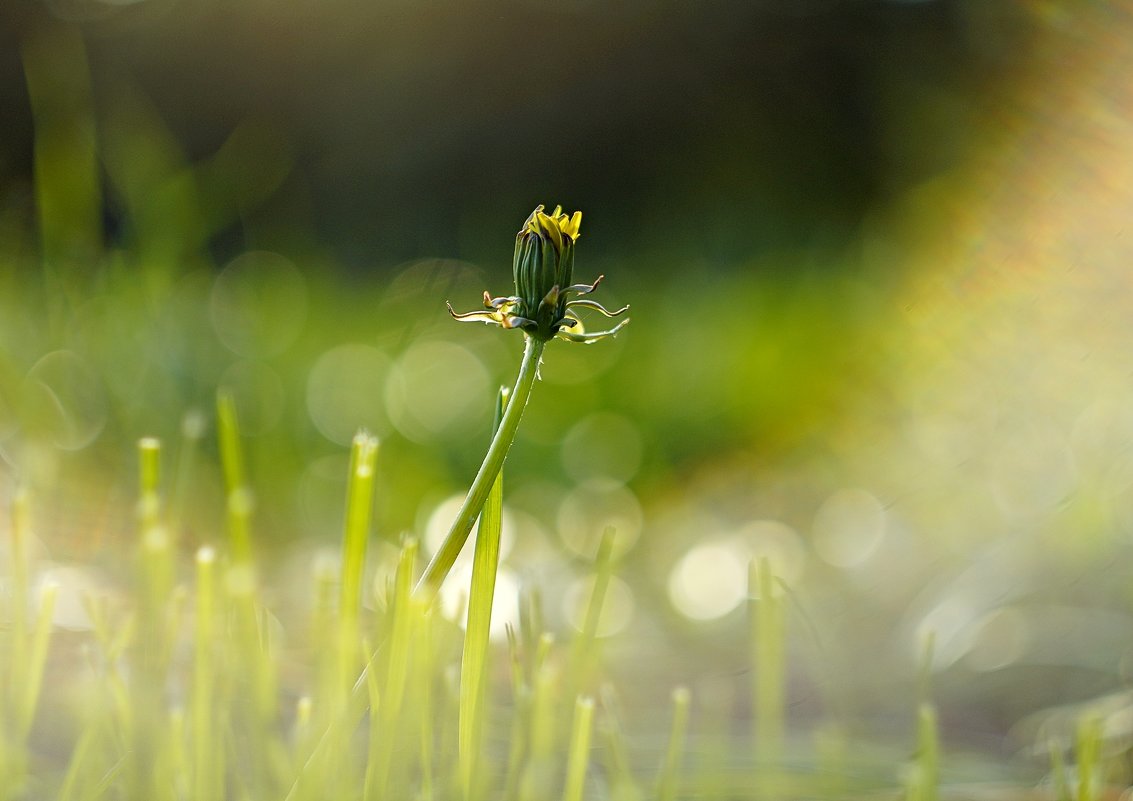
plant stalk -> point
(445, 556)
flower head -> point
(543, 267)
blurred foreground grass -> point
(942, 450)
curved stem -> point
(445, 556)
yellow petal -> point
(571, 228)
(551, 230)
(532, 222)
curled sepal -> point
(492, 317)
(500, 315)
(498, 303)
(583, 289)
(588, 337)
(593, 304)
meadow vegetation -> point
(727, 558)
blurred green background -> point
(876, 252)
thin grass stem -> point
(578, 755)
(521, 717)
(668, 779)
(619, 768)
(228, 435)
(1088, 747)
(397, 672)
(78, 763)
(204, 729)
(583, 654)
(156, 576)
(359, 503)
(20, 600)
(240, 501)
(37, 656)
(539, 772)
(925, 780)
(485, 564)
(768, 659)
(445, 556)
(424, 668)
(192, 432)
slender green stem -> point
(669, 778)
(583, 657)
(768, 636)
(443, 560)
(359, 504)
(578, 755)
(1088, 750)
(494, 460)
(204, 729)
(485, 566)
(925, 778)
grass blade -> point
(397, 672)
(205, 734)
(359, 503)
(579, 754)
(668, 779)
(485, 565)
(768, 636)
(583, 653)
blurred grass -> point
(921, 453)
(136, 337)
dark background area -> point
(721, 129)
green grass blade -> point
(926, 770)
(485, 564)
(359, 503)
(583, 651)
(67, 187)
(578, 755)
(149, 470)
(14, 671)
(239, 497)
(107, 781)
(421, 695)
(397, 672)
(768, 635)
(192, 432)
(77, 766)
(925, 778)
(20, 599)
(375, 744)
(668, 780)
(1088, 748)
(445, 556)
(178, 756)
(228, 436)
(521, 717)
(538, 775)
(204, 731)
(37, 658)
(157, 552)
(619, 768)
(156, 577)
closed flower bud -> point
(543, 267)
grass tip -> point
(193, 424)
